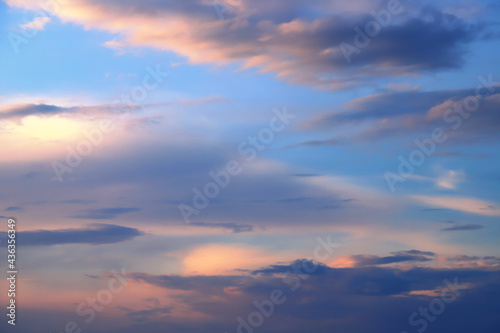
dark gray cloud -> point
(415, 253)
(105, 213)
(401, 47)
(94, 234)
(295, 266)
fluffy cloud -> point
(298, 40)
(327, 298)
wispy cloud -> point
(234, 227)
(95, 234)
(19, 111)
(463, 204)
(13, 209)
(38, 23)
(105, 213)
(464, 227)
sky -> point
(251, 165)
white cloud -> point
(450, 179)
(37, 24)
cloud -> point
(299, 41)
(385, 297)
(234, 227)
(464, 227)
(105, 213)
(94, 234)
(415, 253)
(150, 314)
(77, 201)
(447, 180)
(144, 122)
(462, 204)
(13, 209)
(204, 283)
(459, 154)
(320, 143)
(364, 260)
(37, 24)
(266, 192)
(24, 110)
(470, 262)
(450, 179)
(18, 111)
(407, 114)
(293, 267)
(328, 297)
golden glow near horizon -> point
(48, 129)
(38, 137)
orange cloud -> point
(223, 259)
